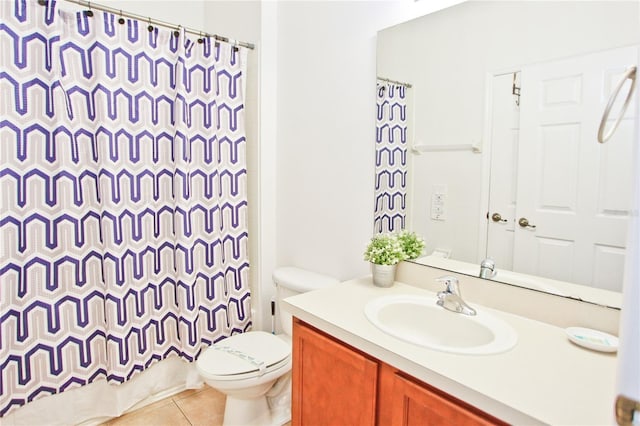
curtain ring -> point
(121, 20)
(200, 40)
(150, 27)
(176, 32)
(89, 12)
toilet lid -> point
(249, 352)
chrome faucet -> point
(488, 268)
(451, 299)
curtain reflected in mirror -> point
(391, 157)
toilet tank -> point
(290, 281)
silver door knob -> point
(497, 218)
(524, 222)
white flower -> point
(389, 249)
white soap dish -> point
(593, 339)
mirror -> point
(462, 64)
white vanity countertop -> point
(544, 379)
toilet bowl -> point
(246, 366)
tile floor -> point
(199, 407)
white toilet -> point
(246, 366)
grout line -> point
(183, 413)
(177, 396)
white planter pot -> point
(383, 275)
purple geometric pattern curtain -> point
(391, 158)
(123, 204)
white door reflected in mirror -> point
(566, 197)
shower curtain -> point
(391, 158)
(123, 206)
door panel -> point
(504, 171)
(572, 189)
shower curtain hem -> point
(98, 402)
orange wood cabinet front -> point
(337, 385)
(331, 384)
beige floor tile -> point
(153, 405)
(196, 407)
(145, 409)
(203, 408)
(189, 392)
(165, 415)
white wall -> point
(325, 132)
(188, 13)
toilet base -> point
(247, 412)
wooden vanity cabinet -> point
(406, 401)
(332, 384)
(335, 384)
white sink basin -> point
(418, 320)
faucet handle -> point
(488, 268)
(488, 263)
(451, 283)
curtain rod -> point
(407, 85)
(119, 12)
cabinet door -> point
(332, 384)
(413, 404)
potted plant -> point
(385, 251)
(412, 244)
